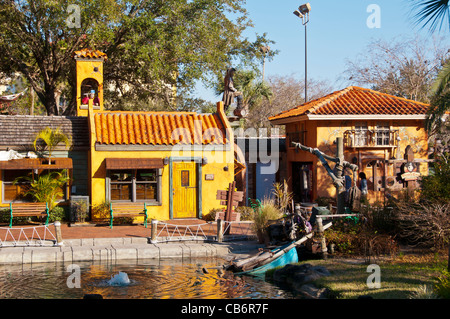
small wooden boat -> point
(266, 260)
(289, 257)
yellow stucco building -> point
(376, 128)
(173, 161)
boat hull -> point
(289, 257)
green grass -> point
(401, 278)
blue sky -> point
(337, 31)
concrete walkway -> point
(114, 249)
(101, 244)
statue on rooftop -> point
(230, 92)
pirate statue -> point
(230, 92)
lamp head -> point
(305, 8)
(298, 14)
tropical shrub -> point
(211, 216)
(47, 188)
(57, 214)
(102, 210)
(435, 187)
(246, 212)
(360, 237)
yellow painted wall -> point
(216, 161)
(209, 188)
(86, 69)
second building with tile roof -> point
(376, 128)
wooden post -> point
(219, 230)
(59, 241)
(409, 156)
(230, 201)
(340, 191)
(320, 231)
(154, 238)
(229, 210)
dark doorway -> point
(302, 181)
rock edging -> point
(300, 279)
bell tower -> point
(89, 80)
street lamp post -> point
(303, 13)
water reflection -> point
(149, 279)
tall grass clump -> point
(262, 219)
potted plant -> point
(79, 206)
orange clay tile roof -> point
(89, 53)
(356, 101)
(158, 128)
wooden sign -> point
(230, 198)
(236, 196)
(409, 175)
(221, 194)
(409, 172)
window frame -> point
(383, 133)
(361, 133)
(134, 182)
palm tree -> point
(432, 12)
(435, 13)
(442, 79)
(51, 138)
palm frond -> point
(51, 138)
(442, 80)
(434, 13)
(439, 106)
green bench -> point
(128, 210)
(28, 210)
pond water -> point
(148, 279)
